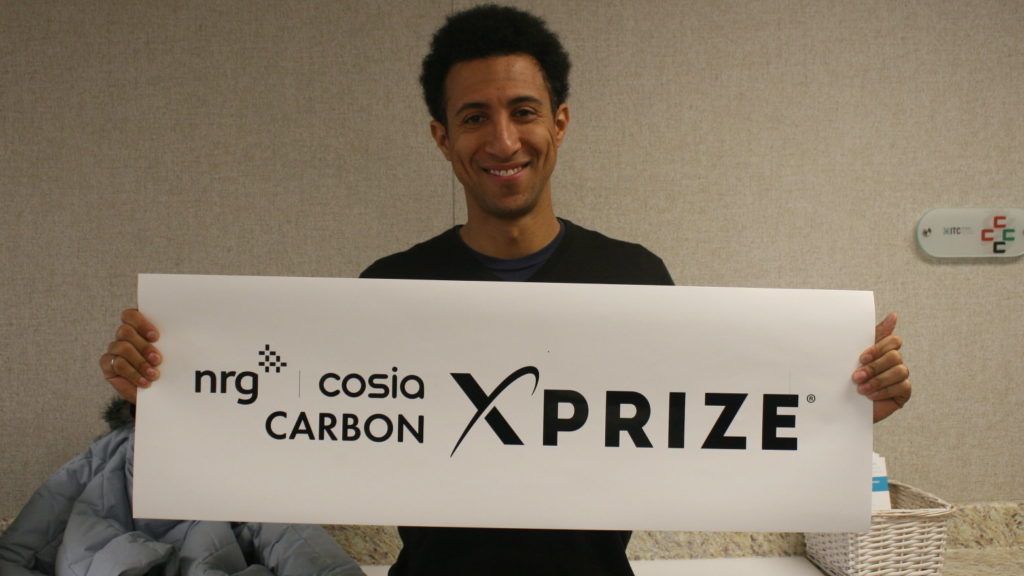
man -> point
(496, 84)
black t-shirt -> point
(581, 256)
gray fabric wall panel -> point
(785, 144)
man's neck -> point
(510, 238)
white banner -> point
(430, 403)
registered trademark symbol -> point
(811, 398)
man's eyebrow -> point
(470, 106)
(525, 100)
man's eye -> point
(524, 113)
(473, 119)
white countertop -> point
(786, 566)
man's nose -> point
(504, 141)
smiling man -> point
(496, 85)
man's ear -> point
(440, 135)
(561, 123)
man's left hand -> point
(882, 376)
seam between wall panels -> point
(454, 182)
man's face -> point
(502, 136)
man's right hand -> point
(131, 360)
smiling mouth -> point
(506, 171)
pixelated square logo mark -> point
(271, 360)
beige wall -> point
(775, 144)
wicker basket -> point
(908, 540)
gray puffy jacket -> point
(79, 523)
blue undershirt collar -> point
(519, 269)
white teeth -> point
(508, 172)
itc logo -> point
(999, 234)
(617, 424)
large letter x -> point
(482, 402)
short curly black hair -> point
(490, 30)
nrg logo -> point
(999, 234)
(634, 425)
(246, 383)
